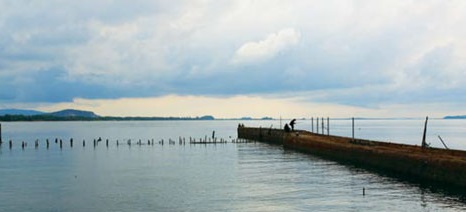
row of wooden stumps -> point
(140, 142)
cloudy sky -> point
(294, 58)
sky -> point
(235, 58)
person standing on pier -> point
(292, 123)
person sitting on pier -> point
(287, 128)
(292, 123)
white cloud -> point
(268, 48)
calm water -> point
(221, 177)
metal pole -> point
(443, 142)
(317, 125)
(424, 144)
(323, 130)
(328, 126)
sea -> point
(237, 175)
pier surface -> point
(442, 166)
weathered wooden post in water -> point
(1, 134)
(312, 124)
(352, 124)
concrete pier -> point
(441, 166)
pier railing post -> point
(424, 144)
(323, 130)
(317, 125)
(328, 126)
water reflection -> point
(232, 177)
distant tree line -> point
(10, 118)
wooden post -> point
(1, 134)
(424, 144)
(328, 126)
(312, 124)
(213, 135)
(71, 142)
(352, 121)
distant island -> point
(455, 117)
(9, 115)
(78, 115)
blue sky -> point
(235, 58)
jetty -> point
(415, 163)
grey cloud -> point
(345, 55)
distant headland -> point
(9, 115)
(455, 117)
(78, 115)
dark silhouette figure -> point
(292, 123)
(287, 128)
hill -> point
(20, 112)
(74, 113)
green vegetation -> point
(48, 117)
